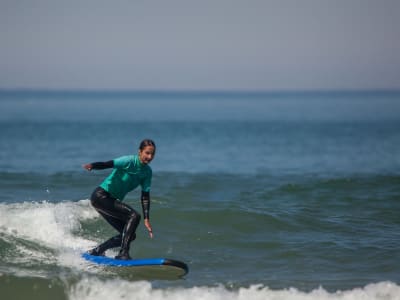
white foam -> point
(50, 224)
(92, 288)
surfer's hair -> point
(147, 142)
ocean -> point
(265, 195)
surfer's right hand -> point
(87, 167)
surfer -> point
(128, 173)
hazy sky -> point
(204, 44)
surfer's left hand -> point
(148, 226)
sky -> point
(200, 45)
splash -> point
(41, 234)
(90, 288)
(49, 224)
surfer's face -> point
(146, 155)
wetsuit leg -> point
(119, 215)
(114, 222)
(113, 242)
(119, 226)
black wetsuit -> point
(118, 214)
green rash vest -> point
(128, 173)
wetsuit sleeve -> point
(146, 204)
(102, 165)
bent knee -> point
(136, 216)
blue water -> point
(263, 195)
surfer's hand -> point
(87, 167)
(148, 226)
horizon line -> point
(106, 91)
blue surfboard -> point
(138, 262)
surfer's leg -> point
(114, 222)
(98, 199)
(113, 242)
(119, 215)
(129, 231)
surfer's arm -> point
(99, 165)
(145, 198)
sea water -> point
(263, 195)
